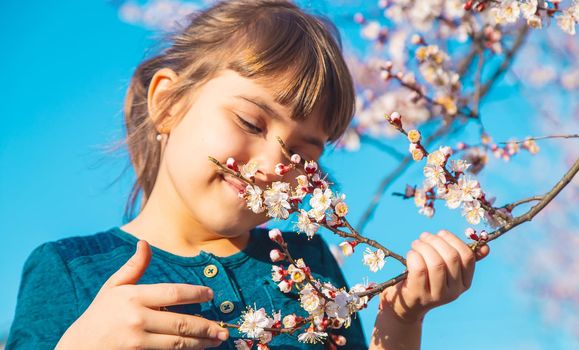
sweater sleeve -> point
(46, 304)
(354, 334)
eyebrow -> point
(271, 112)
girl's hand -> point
(440, 269)
(128, 316)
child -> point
(242, 73)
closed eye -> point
(249, 126)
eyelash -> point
(254, 129)
(249, 126)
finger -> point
(450, 256)
(164, 294)
(482, 252)
(133, 269)
(172, 323)
(436, 268)
(466, 255)
(417, 272)
(168, 341)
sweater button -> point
(226, 307)
(210, 271)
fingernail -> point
(222, 335)
(209, 293)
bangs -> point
(301, 61)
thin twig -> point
(570, 136)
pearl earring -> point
(159, 137)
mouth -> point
(234, 183)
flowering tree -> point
(430, 68)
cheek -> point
(193, 141)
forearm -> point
(390, 333)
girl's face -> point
(230, 116)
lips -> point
(238, 185)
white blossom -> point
(528, 8)
(473, 212)
(374, 259)
(566, 22)
(254, 199)
(276, 273)
(305, 225)
(296, 274)
(243, 344)
(470, 188)
(285, 286)
(459, 166)
(276, 200)
(289, 321)
(254, 321)
(321, 199)
(312, 337)
(309, 299)
(248, 170)
(509, 12)
(371, 30)
(427, 211)
(453, 196)
(454, 8)
(420, 197)
(360, 303)
(341, 307)
(435, 176)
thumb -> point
(482, 252)
(133, 269)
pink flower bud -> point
(471, 233)
(417, 39)
(296, 159)
(265, 338)
(276, 255)
(447, 151)
(359, 18)
(385, 75)
(285, 286)
(394, 117)
(281, 169)
(417, 152)
(348, 247)
(231, 164)
(311, 167)
(341, 209)
(414, 136)
(409, 191)
(289, 321)
(484, 235)
(302, 181)
(461, 146)
(340, 340)
(277, 273)
(276, 236)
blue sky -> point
(66, 66)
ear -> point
(159, 87)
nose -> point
(267, 160)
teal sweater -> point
(61, 278)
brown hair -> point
(259, 39)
